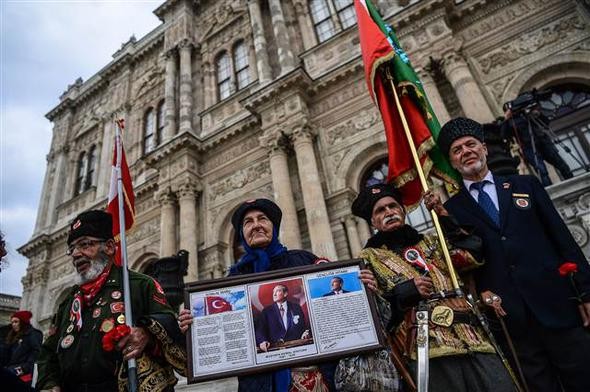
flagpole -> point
(422, 177)
(131, 364)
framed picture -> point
(287, 318)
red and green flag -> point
(381, 51)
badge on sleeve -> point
(67, 341)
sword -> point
(422, 346)
(486, 328)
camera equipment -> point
(527, 100)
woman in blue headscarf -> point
(257, 223)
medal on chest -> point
(67, 341)
(415, 257)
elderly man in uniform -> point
(90, 347)
(409, 268)
(525, 242)
(257, 222)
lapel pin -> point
(506, 185)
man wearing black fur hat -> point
(91, 344)
(257, 223)
(525, 242)
(409, 268)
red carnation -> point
(568, 268)
(113, 336)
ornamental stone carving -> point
(219, 158)
(579, 234)
(144, 230)
(531, 43)
(503, 16)
(362, 121)
(238, 180)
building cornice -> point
(296, 81)
(129, 53)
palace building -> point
(231, 100)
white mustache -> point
(392, 218)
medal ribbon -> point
(419, 261)
(86, 295)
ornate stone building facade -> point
(231, 100)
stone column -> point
(167, 223)
(283, 194)
(305, 24)
(208, 92)
(55, 192)
(434, 97)
(187, 197)
(353, 236)
(286, 58)
(472, 101)
(318, 222)
(186, 86)
(260, 46)
(364, 231)
(170, 96)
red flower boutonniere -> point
(569, 269)
(111, 338)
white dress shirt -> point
(489, 188)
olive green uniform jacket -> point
(75, 359)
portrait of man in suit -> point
(336, 287)
(281, 322)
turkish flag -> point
(217, 305)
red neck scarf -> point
(85, 295)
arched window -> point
(160, 121)
(81, 173)
(420, 218)
(90, 168)
(325, 12)
(149, 138)
(223, 68)
(242, 72)
(568, 109)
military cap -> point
(94, 223)
(269, 208)
(363, 205)
(456, 128)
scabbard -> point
(422, 347)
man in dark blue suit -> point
(336, 286)
(280, 322)
(524, 243)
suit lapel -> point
(504, 192)
(470, 204)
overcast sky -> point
(46, 45)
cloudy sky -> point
(44, 46)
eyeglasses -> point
(83, 246)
